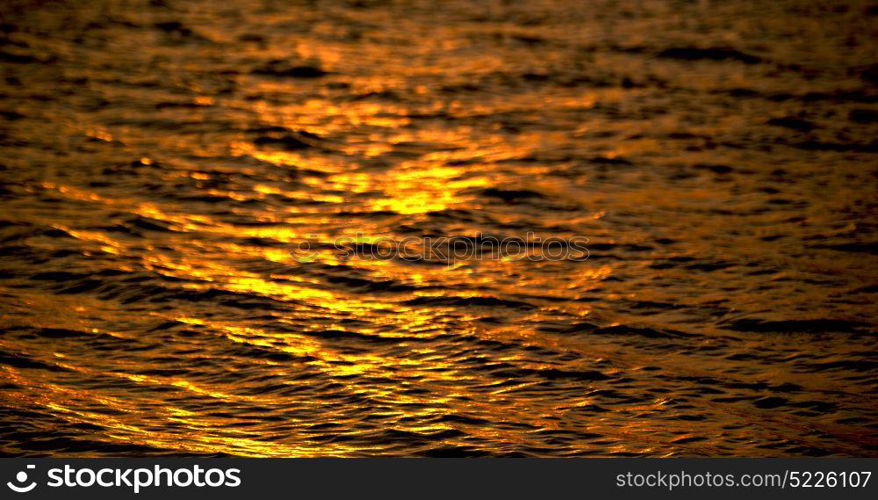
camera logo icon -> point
(21, 478)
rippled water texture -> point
(161, 160)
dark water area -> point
(162, 161)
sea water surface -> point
(163, 161)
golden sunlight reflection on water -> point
(164, 164)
